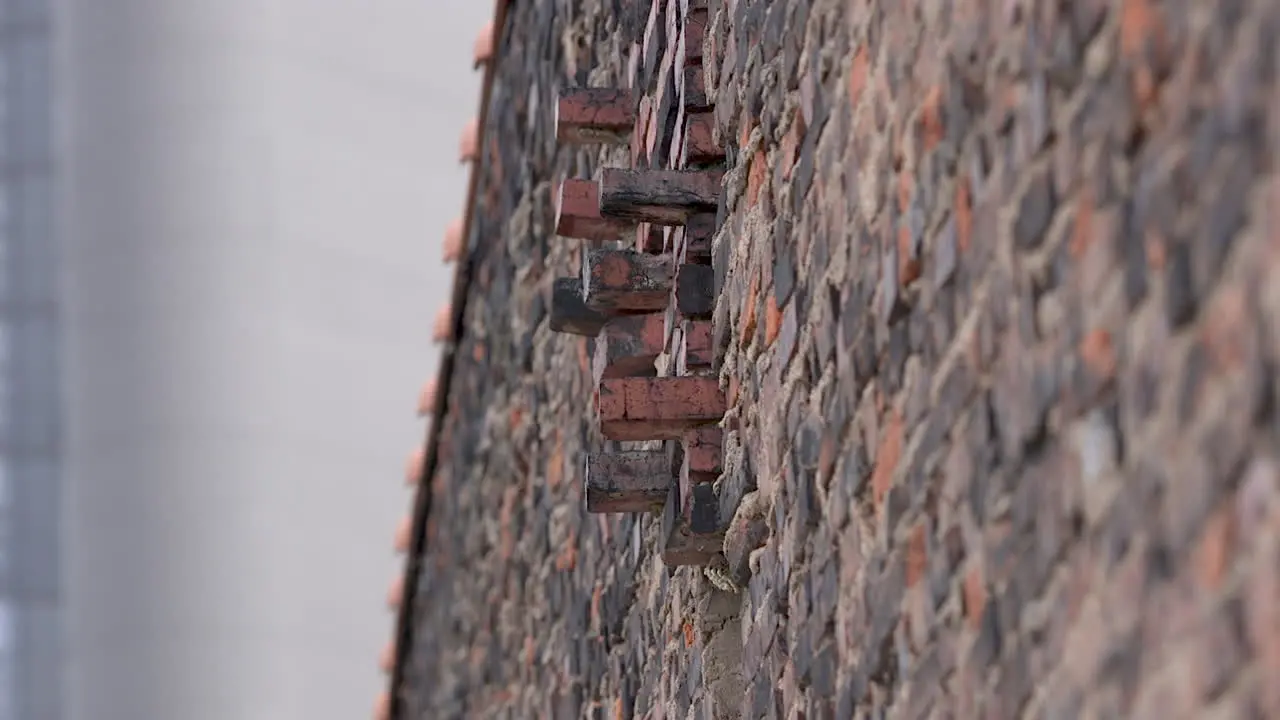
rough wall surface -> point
(999, 346)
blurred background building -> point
(215, 221)
(32, 592)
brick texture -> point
(996, 332)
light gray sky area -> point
(255, 194)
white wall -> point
(257, 192)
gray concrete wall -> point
(256, 194)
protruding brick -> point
(595, 116)
(403, 532)
(658, 408)
(695, 88)
(442, 330)
(387, 658)
(695, 31)
(695, 291)
(660, 197)
(569, 312)
(395, 593)
(627, 482)
(482, 49)
(701, 453)
(469, 145)
(626, 281)
(695, 246)
(700, 146)
(629, 345)
(427, 398)
(694, 351)
(414, 467)
(690, 525)
(453, 240)
(578, 213)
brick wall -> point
(996, 342)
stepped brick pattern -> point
(840, 359)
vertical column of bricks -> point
(650, 305)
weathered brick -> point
(660, 197)
(591, 116)
(628, 346)
(616, 281)
(658, 408)
(569, 310)
(629, 482)
(578, 213)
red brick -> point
(592, 116)
(931, 118)
(695, 31)
(1215, 550)
(395, 593)
(628, 346)
(453, 240)
(1099, 355)
(660, 197)
(658, 408)
(789, 149)
(403, 532)
(700, 146)
(858, 68)
(772, 319)
(627, 482)
(618, 281)
(703, 451)
(578, 213)
(482, 49)
(414, 467)
(387, 658)
(917, 557)
(427, 398)
(975, 595)
(756, 177)
(747, 323)
(696, 350)
(442, 330)
(555, 461)
(887, 456)
(469, 144)
(964, 215)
